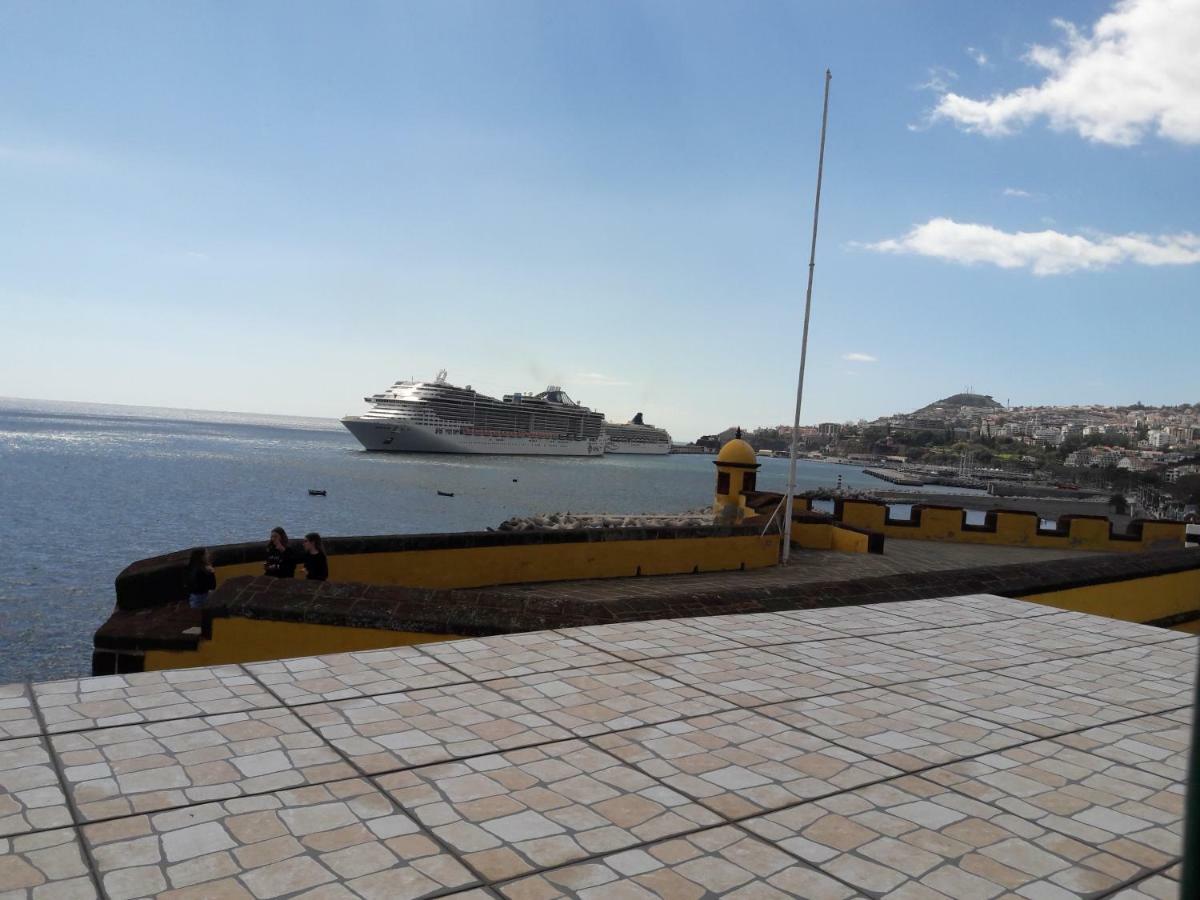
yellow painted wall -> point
(254, 640)
(1011, 529)
(483, 566)
(819, 536)
(1136, 600)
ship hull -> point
(645, 448)
(399, 436)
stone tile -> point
(975, 647)
(763, 629)
(1113, 816)
(83, 703)
(739, 762)
(977, 609)
(902, 731)
(1157, 744)
(517, 812)
(509, 655)
(1002, 607)
(417, 728)
(1107, 681)
(649, 640)
(1059, 638)
(48, 865)
(1128, 632)
(914, 838)
(857, 621)
(140, 768)
(869, 660)
(31, 798)
(1156, 887)
(598, 699)
(17, 718)
(343, 834)
(752, 676)
(1168, 660)
(341, 676)
(1023, 704)
(719, 862)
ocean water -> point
(86, 489)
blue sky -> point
(281, 207)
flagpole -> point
(812, 263)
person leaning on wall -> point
(201, 579)
(316, 565)
(281, 562)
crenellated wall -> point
(1015, 528)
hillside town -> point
(1132, 454)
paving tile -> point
(517, 812)
(980, 610)
(1020, 703)
(739, 762)
(599, 699)
(752, 676)
(17, 718)
(1157, 744)
(84, 703)
(719, 862)
(869, 660)
(508, 655)
(913, 838)
(341, 676)
(763, 629)
(902, 731)
(31, 798)
(417, 728)
(969, 647)
(649, 640)
(345, 832)
(1119, 817)
(140, 768)
(1108, 681)
(1002, 607)
(857, 621)
(1130, 632)
(1060, 640)
(48, 865)
(1169, 660)
(1156, 887)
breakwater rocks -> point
(571, 521)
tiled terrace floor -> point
(958, 748)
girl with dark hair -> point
(316, 565)
(200, 577)
(280, 562)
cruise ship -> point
(635, 437)
(439, 417)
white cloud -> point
(859, 357)
(1136, 72)
(938, 80)
(598, 379)
(980, 58)
(1042, 252)
(1016, 192)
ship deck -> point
(973, 746)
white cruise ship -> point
(635, 437)
(439, 417)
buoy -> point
(445, 494)
(315, 492)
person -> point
(200, 577)
(315, 562)
(280, 561)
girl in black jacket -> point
(200, 577)
(280, 561)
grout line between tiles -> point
(76, 819)
(1138, 879)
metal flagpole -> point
(812, 263)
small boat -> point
(315, 492)
(445, 494)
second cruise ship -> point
(635, 437)
(439, 417)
